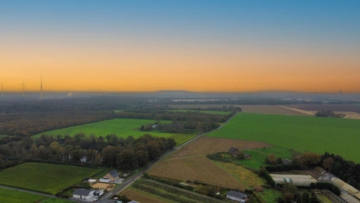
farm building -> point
(104, 180)
(99, 193)
(237, 196)
(112, 175)
(348, 188)
(83, 193)
(233, 151)
(248, 156)
(92, 180)
(298, 180)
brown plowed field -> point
(346, 108)
(191, 163)
(195, 168)
(209, 145)
(350, 111)
(266, 109)
(270, 109)
(141, 196)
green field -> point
(270, 195)
(48, 178)
(222, 113)
(259, 155)
(1, 136)
(323, 199)
(302, 133)
(7, 195)
(120, 127)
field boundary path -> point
(186, 191)
(132, 179)
(31, 192)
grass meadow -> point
(246, 177)
(302, 133)
(42, 177)
(1, 136)
(120, 127)
(259, 155)
(8, 195)
(222, 113)
(270, 195)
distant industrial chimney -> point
(41, 88)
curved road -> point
(129, 180)
(136, 176)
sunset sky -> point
(195, 45)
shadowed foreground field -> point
(142, 196)
(302, 133)
(48, 178)
(12, 196)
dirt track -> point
(265, 109)
(208, 145)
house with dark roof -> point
(236, 196)
(233, 151)
(112, 175)
(82, 193)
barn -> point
(236, 196)
(83, 194)
(233, 151)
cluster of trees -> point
(307, 159)
(292, 194)
(25, 118)
(25, 124)
(348, 171)
(191, 122)
(273, 160)
(122, 153)
(265, 174)
(327, 113)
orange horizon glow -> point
(185, 45)
(147, 71)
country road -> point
(132, 179)
(129, 180)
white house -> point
(237, 196)
(92, 180)
(104, 180)
(83, 194)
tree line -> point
(111, 151)
(348, 171)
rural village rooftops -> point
(114, 173)
(82, 192)
(233, 150)
(239, 195)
